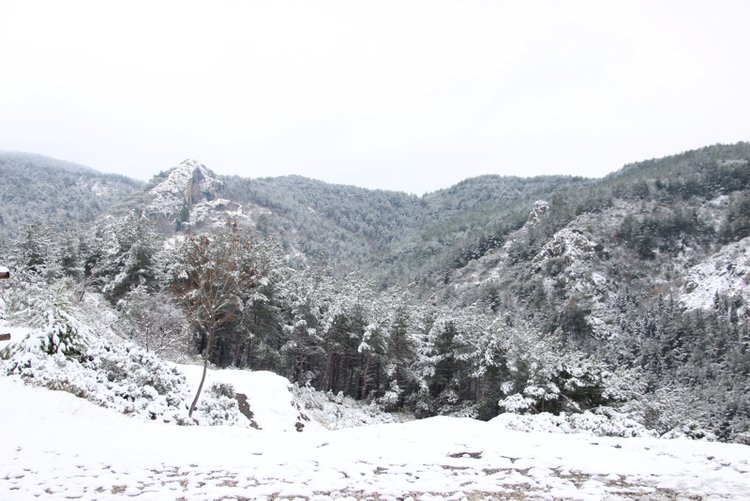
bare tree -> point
(156, 321)
(215, 275)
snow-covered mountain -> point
(56, 192)
(621, 295)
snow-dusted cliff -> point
(187, 184)
(189, 195)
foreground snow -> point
(57, 446)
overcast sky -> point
(405, 95)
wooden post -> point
(4, 274)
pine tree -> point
(402, 353)
(33, 251)
(132, 263)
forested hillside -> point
(391, 237)
(56, 192)
(625, 295)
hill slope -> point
(55, 192)
(394, 238)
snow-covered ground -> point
(259, 388)
(57, 446)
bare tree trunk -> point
(328, 378)
(200, 386)
(349, 382)
(377, 373)
(366, 375)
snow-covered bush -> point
(336, 411)
(392, 398)
(691, 430)
(62, 351)
(462, 409)
(517, 404)
(543, 378)
(218, 406)
(668, 411)
(50, 310)
(123, 377)
(606, 421)
(599, 422)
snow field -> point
(57, 446)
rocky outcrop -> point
(184, 186)
(189, 196)
(569, 246)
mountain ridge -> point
(498, 294)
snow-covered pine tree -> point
(401, 355)
(132, 263)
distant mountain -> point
(443, 238)
(37, 161)
(391, 237)
(56, 192)
(652, 216)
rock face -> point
(541, 207)
(189, 196)
(568, 245)
(186, 185)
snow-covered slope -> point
(726, 272)
(125, 379)
(56, 446)
(76, 347)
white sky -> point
(406, 95)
